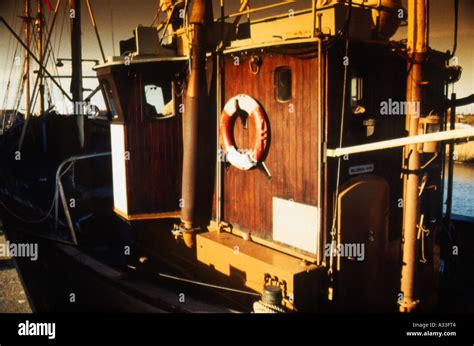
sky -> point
(116, 19)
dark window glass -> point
(283, 92)
(357, 94)
(109, 98)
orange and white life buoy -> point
(248, 158)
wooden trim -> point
(149, 216)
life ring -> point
(243, 159)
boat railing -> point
(59, 191)
(308, 6)
(245, 9)
(400, 142)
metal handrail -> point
(60, 190)
(400, 142)
(262, 8)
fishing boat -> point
(254, 165)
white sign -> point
(296, 224)
(361, 169)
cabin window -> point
(159, 100)
(357, 94)
(109, 98)
(283, 79)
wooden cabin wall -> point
(155, 147)
(292, 156)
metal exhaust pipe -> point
(198, 133)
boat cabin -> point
(287, 89)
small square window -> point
(357, 94)
(283, 84)
(159, 101)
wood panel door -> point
(362, 239)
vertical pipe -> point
(67, 212)
(320, 150)
(220, 65)
(325, 168)
(219, 157)
(443, 147)
(416, 50)
(449, 197)
(27, 71)
(76, 78)
(198, 133)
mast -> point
(76, 80)
(27, 68)
(39, 30)
(416, 48)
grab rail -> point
(60, 190)
(258, 9)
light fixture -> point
(429, 124)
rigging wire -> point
(157, 15)
(49, 53)
(199, 283)
(58, 51)
(21, 85)
(6, 95)
(338, 176)
(19, 92)
(15, 9)
(57, 46)
(26, 74)
(47, 82)
(112, 26)
(35, 92)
